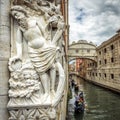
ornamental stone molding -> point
(37, 78)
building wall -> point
(78, 64)
(87, 68)
(4, 56)
(83, 68)
(107, 73)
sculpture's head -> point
(18, 12)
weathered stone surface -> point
(4, 76)
(4, 55)
(4, 29)
(4, 34)
(3, 109)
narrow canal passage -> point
(101, 104)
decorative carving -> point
(38, 80)
(33, 114)
(25, 86)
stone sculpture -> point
(38, 80)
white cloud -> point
(93, 20)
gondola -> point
(79, 108)
(79, 104)
(76, 88)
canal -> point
(100, 103)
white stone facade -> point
(107, 72)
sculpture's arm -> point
(18, 47)
(19, 43)
(42, 29)
(60, 28)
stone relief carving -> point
(33, 114)
(38, 80)
(25, 86)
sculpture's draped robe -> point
(42, 59)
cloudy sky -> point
(93, 20)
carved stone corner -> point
(37, 78)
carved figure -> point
(42, 47)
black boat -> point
(76, 88)
(79, 103)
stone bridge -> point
(73, 73)
(82, 49)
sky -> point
(93, 20)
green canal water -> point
(101, 104)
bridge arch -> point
(82, 49)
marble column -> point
(4, 56)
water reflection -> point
(101, 104)
(79, 116)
